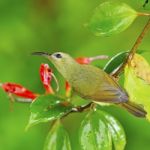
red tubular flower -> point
(68, 89)
(83, 60)
(88, 60)
(18, 90)
(46, 77)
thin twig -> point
(99, 57)
(79, 109)
(134, 49)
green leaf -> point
(94, 133)
(57, 138)
(115, 62)
(47, 108)
(99, 130)
(111, 18)
(116, 130)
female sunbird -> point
(92, 83)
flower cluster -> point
(18, 90)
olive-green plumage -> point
(91, 82)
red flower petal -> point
(18, 90)
(46, 77)
(68, 89)
(83, 60)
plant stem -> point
(134, 49)
(143, 14)
(22, 100)
(99, 57)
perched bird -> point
(92, 83)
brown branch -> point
(134, 49)
(143, 14)
(79, 109)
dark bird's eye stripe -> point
(58, 55)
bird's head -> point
(63, 62)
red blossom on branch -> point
(18, 90)
(83, 60)
(88, 60)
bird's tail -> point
(134, 109)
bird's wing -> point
(94, 84)
(110, 94)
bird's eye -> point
(58, 55)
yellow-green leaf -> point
(141, 67)
(137, 82)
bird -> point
(92, 83)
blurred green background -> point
(56, 25)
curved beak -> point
(45, 54)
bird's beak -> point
(45, 54)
